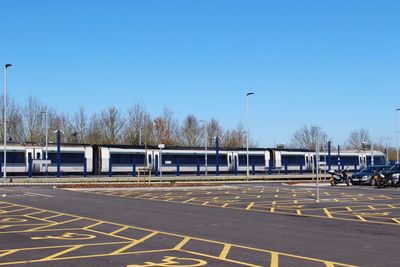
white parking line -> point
(37, 194)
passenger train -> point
(123, 159)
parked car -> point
(366, 175)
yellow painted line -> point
(62, 252)
(205, 203)
(186, 201)
(391, 206)
(273, 202)
(396, 221)
(277, 190)
(336, 200)
(276, 196)
(119, 230)
(250, 205)
(215, 198)
(182, 243)
(118, 251)
(237, 197)
(371, 198)
(225, 205)
(258, 196)
(295, 202)
(298, 212)
(274, 259)
(355, 199)
(327, 213)
(371, 207)
(349, 209)
(8, 253)
(53, 216)
(92, 225)
(272, 210)
(329, 264)
(294, 195)
(361, 218)
(225, 251)
(169, 199)
(326, 193)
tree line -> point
(26, 124)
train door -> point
(230, 162)
(277, 160)
(156, 162)
(29, 155)
(235, 162)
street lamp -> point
(247, 135)
(6, 66)
(47, 138)
(397, 138)
(205, 145)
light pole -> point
(317, 163)
(205, 146)
(6, 66)
(247, 135)
(397, 138)
(47, 139)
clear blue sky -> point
(332, 63)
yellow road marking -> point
(396, 221)
(92, 225)
(361, 218)
(8, 253)
(225, 251)
(250, 206)
(53, 216)
(62, 252)
(205, 203)
(298, 212)
(274, 259)
(391, 206)
(371, 207)
(118, 251)
(182, 243)
(349, 209)
(119, 230)
(336, 200)
(272, 210)
(187, 201)
(327, 213)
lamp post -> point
(205, 147)
(6, 66)
(47, 138)
(397, 138)
(247, 135)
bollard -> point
(236, 166)
(198, 168)
(109, 167)
(177, 168)
(84, 167)
(134, 168)
(253, 168)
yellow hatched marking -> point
(205, 203)
(182, 243)
(274, 259)
(225, 251)
(237, 197)
(326, 193)
(62, 252)
(328, 213)
(391, 206)
(8, 253)
(396, 221)
(371, 207)
(273, 202)
(53, 216)
(298, 212)
(329, 264)
(169, 199)
(250, 205)
(118, 251)
(349, 209)
(225, 205)
(119, 230)
(272, 210)
(276, 196)
(92, 225)
(295, 202)
(336, 200)
(355, 199)
(187, 201)
(371, 198)
(361, 218)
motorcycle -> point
(339, 178)
(382, 180)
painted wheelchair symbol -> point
(173, 262)
(66, 236)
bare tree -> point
(33, 120)
(357, 138)
(80, 122)
(213, 129)
(15, 128)
(306, 137)
(190, 131)
(94, 135)
(63, 123)
(165, 128)
(235, 138)
(112, 125)
(137, 128)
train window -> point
(149, 159)
(117, 158)
(13, 157)
(230, 160)
(258, 160)
(67, 157)
(293, 160)
(38, 155)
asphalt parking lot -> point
(236, 225)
